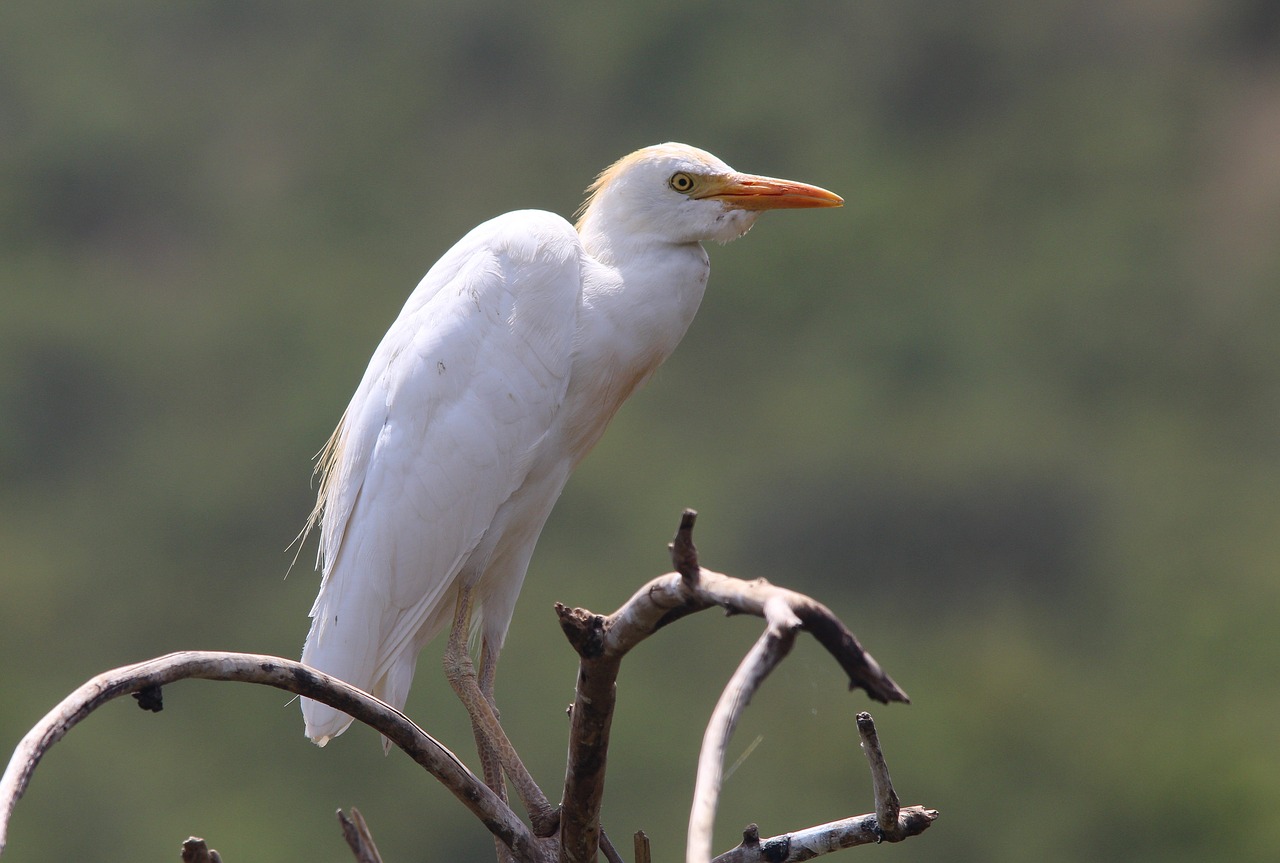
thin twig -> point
(771, 648)
(606, 847)
(359, 839)
(644, 853)
(684, 554)
(887, 805)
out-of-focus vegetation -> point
(1014, 412)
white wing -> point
(439, 434)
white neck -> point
(639, 296)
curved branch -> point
(771, 648)
(144, 680)
(670, 596)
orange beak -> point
(750, 192)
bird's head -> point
(679, 194)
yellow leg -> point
(497, 755)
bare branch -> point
(684, 554)
(643, 853)
(590, 719)
(281, 673)
(769, 650)
(601, 642)
(606, 847)
(887, 805)
(825, 838)
(359, 839)
(889, 823)
(655, 604)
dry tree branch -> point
(601, 642)
(771, 648)
(359, 839)
(887, 805)
(606, 848)
(889, 823)
(144, 679)
(825, 838)
(642, 850)
(669, 597)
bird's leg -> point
(489, 759)
(457, 667)
(490, 737)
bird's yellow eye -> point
(681, 182)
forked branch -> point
(889, 823)
(602, 642)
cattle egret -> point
(499, 375)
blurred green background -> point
(1014, 412)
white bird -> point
(499, 375)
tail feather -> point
(323, 723)
(339, 647)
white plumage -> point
(499, 375)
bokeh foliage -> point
(1014, 412)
